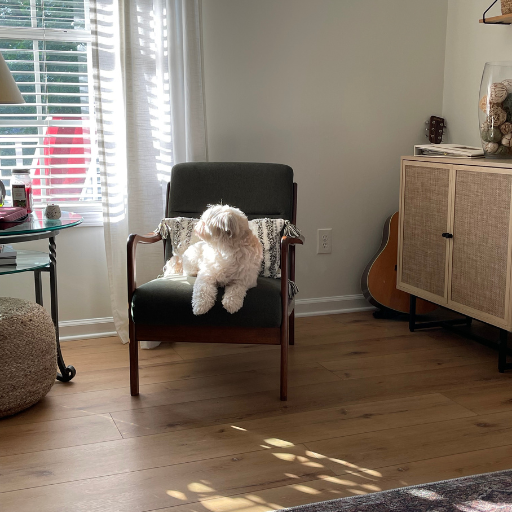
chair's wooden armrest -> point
(286, 241)
(133, 240)
(150, 238)
(291, 240)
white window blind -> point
(46, 44)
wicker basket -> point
(506, 6)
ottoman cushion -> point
(28, 358)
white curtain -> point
(150, 114)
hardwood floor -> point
(371, 407)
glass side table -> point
(37, 227)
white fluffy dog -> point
(228, 255)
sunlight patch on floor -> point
(279, 443)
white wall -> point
(469, 45)
(338, 90)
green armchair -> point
(161, 310)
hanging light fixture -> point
(9, 92)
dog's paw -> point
(232, 304)
(201, 307)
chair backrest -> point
(258, 189)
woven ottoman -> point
(28, 357)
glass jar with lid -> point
(21, 187)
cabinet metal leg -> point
(502, 351)
(413, 325)
(466, 322)
(66, 372)
(412, 313)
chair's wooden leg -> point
(134, 362)
(284, 361)
(292, 328)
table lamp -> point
(9, 92)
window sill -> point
(91, 219)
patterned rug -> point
(491, 492)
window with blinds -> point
(46, 44)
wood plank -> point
(330, 350)
(169, 485)
(358, 329)
(93, 345)
(344, 351)
(403, 363)
(187, 390)
(354, 419)
(200, 350)
(117, 357)
(408, 444)
(167, 372)
(45, 410)
(357, 483)
(297, 426)
(155, 419)
(355, 326)
(48, 435)
(488, 399)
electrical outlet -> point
(324, 241)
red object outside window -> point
(60, 149)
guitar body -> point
(378, 282)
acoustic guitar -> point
(378, 282)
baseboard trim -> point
(336, 305)
(86, 328)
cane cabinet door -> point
(480, 281)
(425, 220)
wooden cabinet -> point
(454, 245)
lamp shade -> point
(9, 92)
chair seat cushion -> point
(168, 301)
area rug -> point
(490, 492)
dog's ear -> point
(226, 221)
(231, 224)
(223, 220)
(199, 228)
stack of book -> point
(7, 255)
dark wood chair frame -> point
(284, 335)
